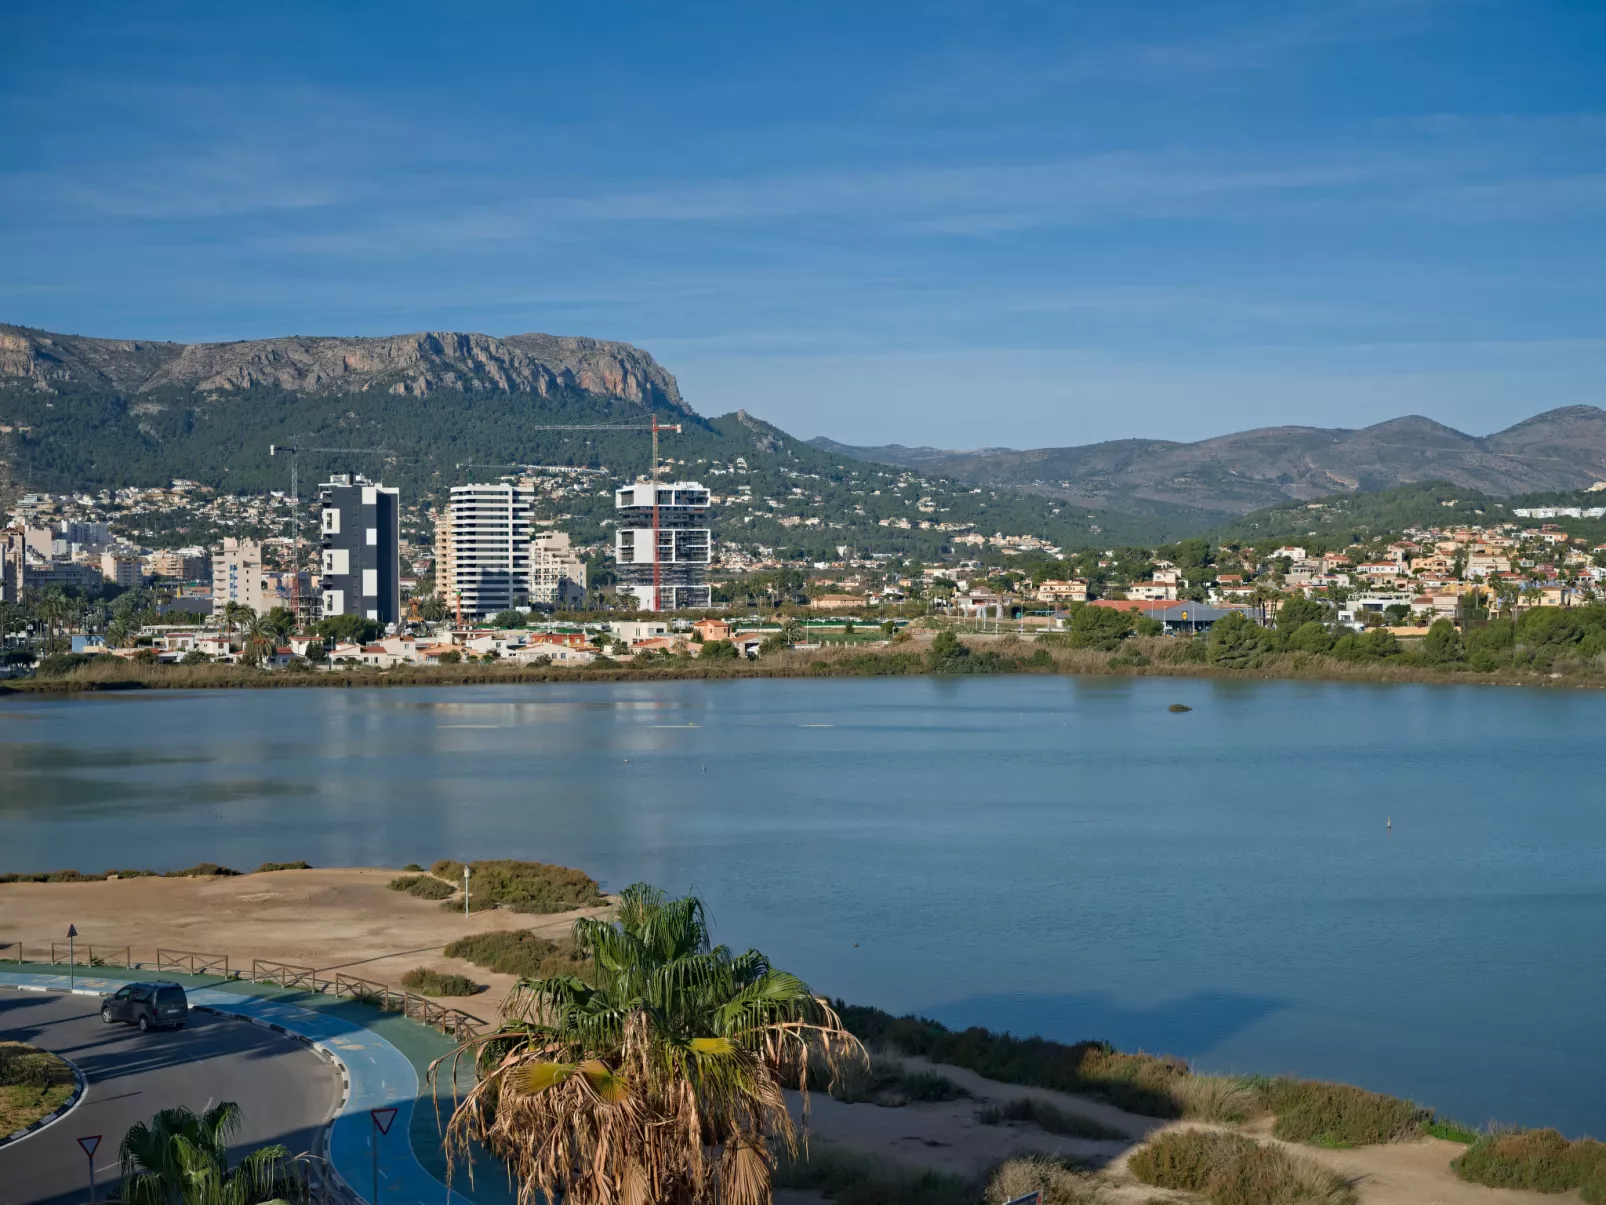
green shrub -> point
(1452, 1131)
(1539, 1160)
(1230, 1169)
(1049, 1118)
(524, 886)
(23, 1066)
(413, 866)
(271, 866)
(425, 887)
(1099, 628)
(519, 952)
(439, 983)
(1340, 1115)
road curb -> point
(80, 1085)
(329, 1056)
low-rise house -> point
(553, 653)
(632, 631)
(980, 603)
(1058, 590)
(712, 629)
(836, 602)
(1151, 591)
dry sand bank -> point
(332, 920)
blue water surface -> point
(1047, 855)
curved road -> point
(286, 1091)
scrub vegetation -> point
(1308, 1111)
(439, 983)
(1540, 1160)
(538, 887)
(424, 886)
(520, 952)
(199, 870)
(1231, 1169)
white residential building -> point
(237, 576)
(557, 574)
(489, 542)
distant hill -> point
(83, 413)
(1563, 449)
(1340, 519)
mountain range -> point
(1562, 449)
(82, 411)
(417, 364)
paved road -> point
(287, 1092)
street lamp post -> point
(72, 968)
(465, 888)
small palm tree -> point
(181, 1158)
(660, 1079)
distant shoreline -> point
(997, 657)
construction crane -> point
(655, 427)
(294, 450)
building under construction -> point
(662, 545)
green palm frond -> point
(662, 1079)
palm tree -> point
(661, 1079)
(260, 640)
(235, 615)
(181, 1158)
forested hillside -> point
(75, 437)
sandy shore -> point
(332, 920)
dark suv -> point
(148, 1005)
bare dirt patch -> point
(331, 920)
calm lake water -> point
(1038, 854)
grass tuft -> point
(1219, 1098)
(267, 867)
(1452, 1131)
(1060, 1182)
(439, 983)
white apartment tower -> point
(662, 544)
(488, 539)
(237, 576)
(557, 574)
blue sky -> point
(955, 224)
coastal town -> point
(369, 579)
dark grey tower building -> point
(361, 549)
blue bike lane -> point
(378, 1075)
